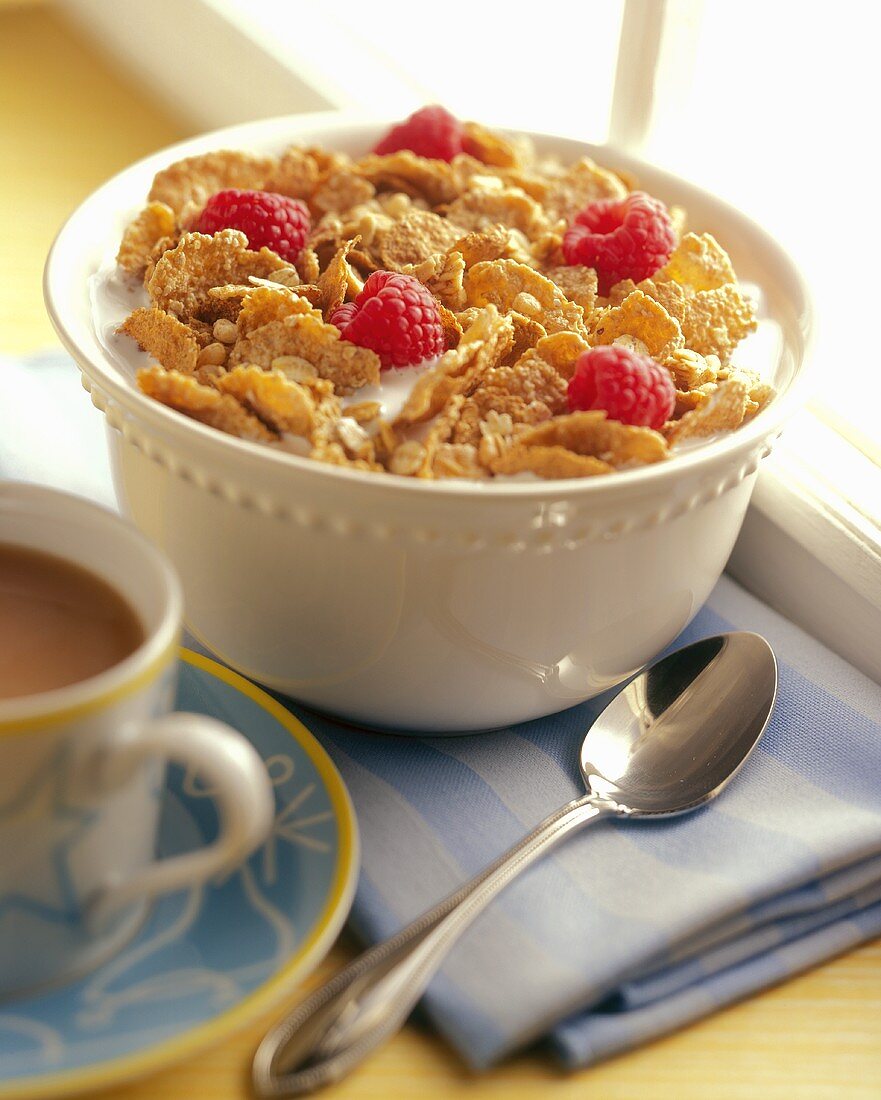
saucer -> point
(207, 960)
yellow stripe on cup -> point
(60, 715)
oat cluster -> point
(242, 341)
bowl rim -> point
(96, 369)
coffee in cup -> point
(59, 623)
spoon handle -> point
(343, 1021)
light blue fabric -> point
(631, 930)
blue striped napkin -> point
(630, 930)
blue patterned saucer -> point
(206, 960)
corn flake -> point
(577, 282)
(183, 277)
(296, 174)
(203, 331)
(530, 383)
(260, 305)
(308, 262)
(582, 183)
(547, 462)
(416, 176)
(491, 401)
(164, 337)
(527, 333)
(155, 223)
(187, 184)
(509, 285)
(641, 317)
(491, 243)
(439, 434)
(561, 351)
(307, 337)
(282, 404)
(489, 147)
(364, 412)
(415, 238)
(529, 391)
(343, 442)
(698, 262)
(457, 460)
(452, 328)
(333, 283)
(461, 369)
(408, 459)
(690, 369)
(713, 322)
(341, 191)
(697, 286)
(204, 403)
(723, 410)
(591, 433)
(442, 274)
(481, 208)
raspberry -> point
(265, 218)
(430, 132)
(631, 388)
(395, 316)
(621, 239)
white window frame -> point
(808, 547)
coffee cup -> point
(82, 765)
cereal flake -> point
(491, 243)
(187, 184)
(547, 462)
(461, 369)
(282, 404)
(591, 433)
(164, 337)
(204, 403)
(416, 176)
(723, 410)
(307, 337)
(582, 183)
(442, 274)
(577, 282)
(184, 276)
(509, 285)
(641, 317)
(155, 223)
(479, 209)
(415, 238)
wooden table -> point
(68, 121)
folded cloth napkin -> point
(630, 930)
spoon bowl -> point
(680, 731)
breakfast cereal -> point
(296, 343)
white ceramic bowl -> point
(441, 606)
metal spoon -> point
(666, 744)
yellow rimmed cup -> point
(81, 767)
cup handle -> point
(241, 789)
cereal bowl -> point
(441, 606)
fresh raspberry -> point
(395, 316)
(621, 239)
(631, 388)
(430, 132)
(265, 218)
